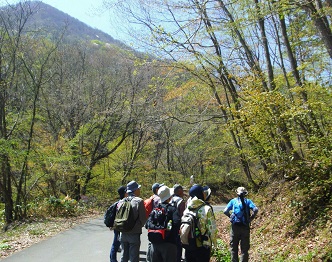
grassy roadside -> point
(289, 227)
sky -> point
(87, 12)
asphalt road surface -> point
(88, 242)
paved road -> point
(89, 242)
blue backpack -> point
(239, 215)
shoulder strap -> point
(196, 213)
(177, 200)
(244, 205)
(197, 209)
(208, 204)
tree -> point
(24, 65)
(229, 47)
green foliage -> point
(201, 118)
(61, 207)
(328, 255)
(2, 215)
(36, 232)
(5, 246)
(221, 252)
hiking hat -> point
(156, 186)
(207, 192)
(165, 193)
(122, 191)
(241, 190)
(132, 186)
(196, 191)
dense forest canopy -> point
(235, 92)
(264, 68)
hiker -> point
(181, 206)
(243, 212)
(155, 202)
(156, 198)
(131, 240)
(164, 249)
(178, 198)
(116, 242)
(206, 224)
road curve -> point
(88, 242)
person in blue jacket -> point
(241, 212)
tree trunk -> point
(321, 23)
(261, 24)
(6, 188)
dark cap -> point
(196, 191)
(122, 191)
(155, 187)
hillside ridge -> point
(53, 22)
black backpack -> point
(159, 224)
(109, 215)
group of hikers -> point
(175, 224)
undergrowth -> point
(293, 223)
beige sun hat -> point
(241, 190)
(165, 193)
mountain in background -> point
(54, 22)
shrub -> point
(61, 207)
(221, 252)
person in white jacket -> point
(207, 225)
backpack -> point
(109, 215)
(177, 201)
(124, 219)
(158, 224)
(239, 215)
(148, 204)
(190, 233)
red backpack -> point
(148, 204)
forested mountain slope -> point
(55, 22)
(81, 114)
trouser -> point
(179, 249)
(130, 244)
(240, 235)
(148, 253)
(163, 252)
(115, 246)
(201, 254)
